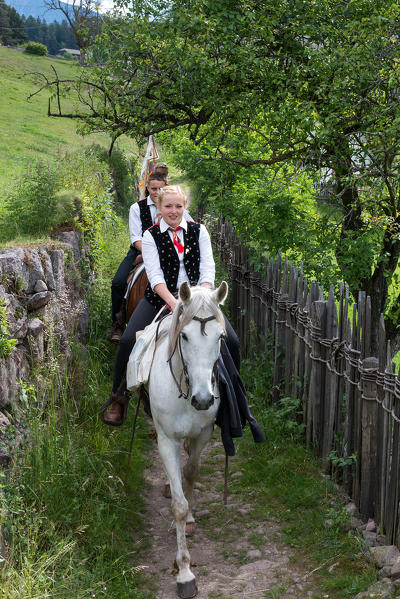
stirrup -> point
(123, 401)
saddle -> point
(141, 357)
(137, 282)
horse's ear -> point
(184, 292)
(221, 292)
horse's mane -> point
(202, 304)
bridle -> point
(203, 322)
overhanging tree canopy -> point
(314, 83)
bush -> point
(36, 48)
(68, 56)
(31, 208)
(75, 190)
(6, 343)
(123, 177)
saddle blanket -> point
(141, 358)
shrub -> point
(68, 56)
(75, 190)
(36, 48)
(68, 204)
(31, 208)
(123, 177)
(6, 344)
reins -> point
(203, 322)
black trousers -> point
(118, 285)
(141, 317)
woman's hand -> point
(172, 304)
(162, 290)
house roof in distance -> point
(70, 51)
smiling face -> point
(172, 207)
(153, 187)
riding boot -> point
(118, 406)
(116, 332)
(118, 326)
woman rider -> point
(174, 250)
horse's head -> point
(196, 331)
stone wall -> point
(47, 311)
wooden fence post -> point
(329, 424)
(280, 337)
(369, 409)
(318, 370)
(352, 379)
(382, 429)
(392, 496)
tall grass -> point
(65, 512)
(286, 485)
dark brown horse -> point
(137, 282)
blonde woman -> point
(174, 250)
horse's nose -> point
(202, 404)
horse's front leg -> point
(194, 448)
(169, 451)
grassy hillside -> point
(26, 132)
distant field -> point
(26, 132)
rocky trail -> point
(233, 555)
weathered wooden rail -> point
(350, 399)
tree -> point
(11, 26)
(83, 19)
(312, 84)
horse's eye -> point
(184, 336)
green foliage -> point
(341, 461)
(123, 175)
(11, 26)
(257, 372)
(35, 136)
(32, 206)
(296, 94)
(290, 414)
(270, 211)
(90, 177)
(65, 512)
(6, 344)
(36, 48)
(75, 191)
(55, 35)
(284, 482)
(69, 56)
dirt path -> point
(232, 555)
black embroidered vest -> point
(169, 260)
(145, 215)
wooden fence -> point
(350, 399)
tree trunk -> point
(381, 267)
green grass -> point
(66, 514)
(285, 484)
(26, 132)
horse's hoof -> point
(167, 491)
(186, 590)
(190, 528)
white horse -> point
(184, 403)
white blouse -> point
(152, 260)
(135, 224)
